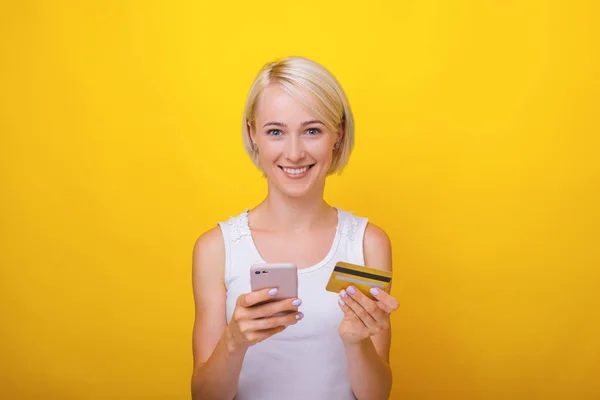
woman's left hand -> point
(364, 317)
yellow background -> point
(477, 151)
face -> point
(295, 148)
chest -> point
(322, 314)
(304, 250)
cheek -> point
(321, 152)
(268, 152)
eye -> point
(313, 131)
(274, 132)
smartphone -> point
(283, 276)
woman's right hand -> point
(253, 322)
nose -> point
(294, 149)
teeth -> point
(293, 171)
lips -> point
(296, 171)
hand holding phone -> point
(267, 309)
(283, 276)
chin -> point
(294, 189)
(295, 192)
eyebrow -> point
(314, 121)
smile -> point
(296, 171)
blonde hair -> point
(317, 90)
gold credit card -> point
(345, 274)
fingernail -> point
(273, 291)
(344, 294)
(297, 302)
(374, 291)
(341, 302)
(351, 290)
(299, 315)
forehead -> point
(275, 103)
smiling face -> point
(295, 148)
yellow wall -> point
(477, 142)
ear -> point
(341, 129)
(251, 131)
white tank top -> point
(306, 360)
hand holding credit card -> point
(345, 274)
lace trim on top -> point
(240, 226)
(350, 226)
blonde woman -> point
(298, 128)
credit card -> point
(345, 274)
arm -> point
(217, 362)
(368, 360)
(219, 348)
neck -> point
(284, 213)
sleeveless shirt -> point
(306, 360)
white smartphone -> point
(283, 276)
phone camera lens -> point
(257, 272)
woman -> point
(298, 129)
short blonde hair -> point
(317, 90)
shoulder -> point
(377, 248)
(208, 255)
(209, 241)
(376, 236)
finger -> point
(369, 305)
(385, 308)
(347, 310)
(360, 312)
(390, 302)
(348, 313)
(259, 336)
(253, 298)
(266, 310)
(273, 322)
